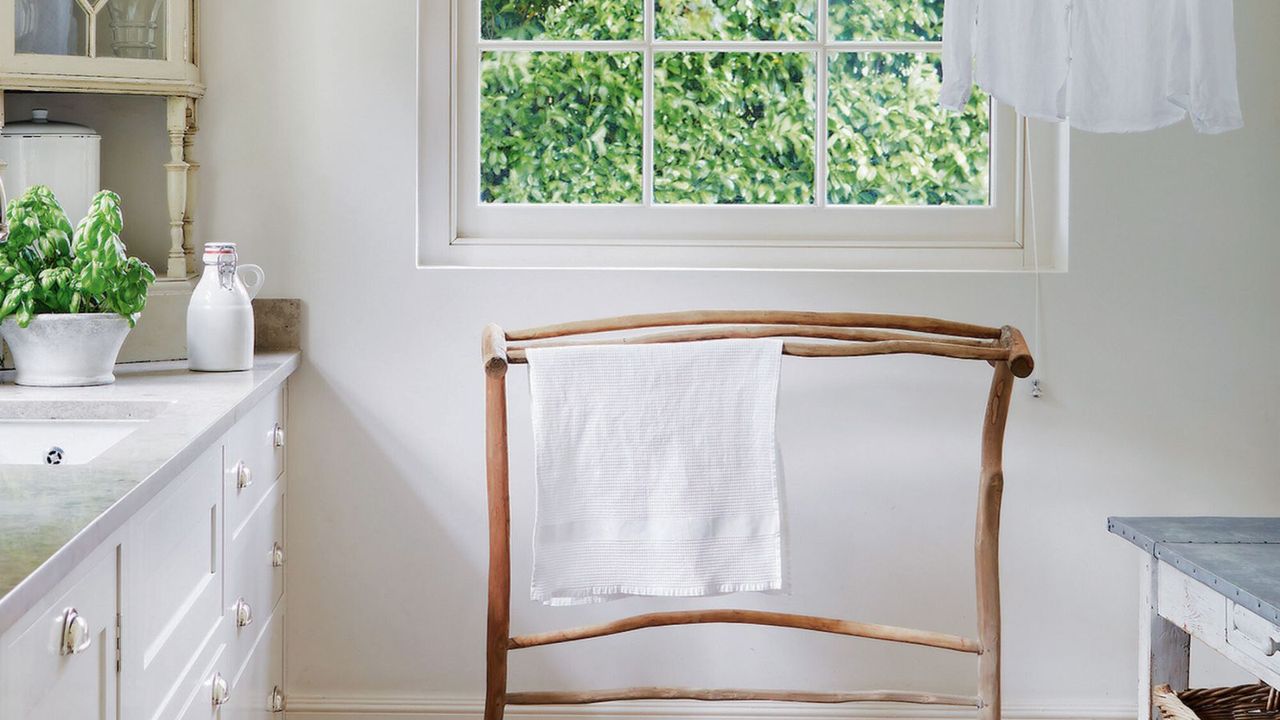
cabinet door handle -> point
(221, 691)
(277, 436)
(275, 701)
(244, 476)
(277, 555)
(244, 613)
(75, 633)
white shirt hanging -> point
(1102, 65)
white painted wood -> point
(105, 73)
(1164, 649)
(1178, 607)
(252, 578)
(1256, 639)
(261, 672)
(174, 590)
(455, 230)
(196, 699)
(41, 683)
(171, 575)
(252, 443)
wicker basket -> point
(1242, 702)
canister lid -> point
(40, 126)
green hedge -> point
(559, 127)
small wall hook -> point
(1036, 390)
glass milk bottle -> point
(220, 316)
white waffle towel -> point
(657, 470)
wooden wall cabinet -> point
(133, 47)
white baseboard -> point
(453, 707)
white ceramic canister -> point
(64, 156)
(220, 316)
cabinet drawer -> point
(1258, 639)
(255, 573)
(254, 459)
(259, 683)
(174, 606)
(211, 670)
(52, 674)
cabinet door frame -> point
(20, 70)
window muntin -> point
(947, 179)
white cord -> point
(1037, 325)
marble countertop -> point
(52, 517)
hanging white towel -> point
(657, 470)
(1102, 65)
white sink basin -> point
(67, 433)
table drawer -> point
(254, 459)
(255, 572)
(1191, 605)
(1258, 639)
(55, 672)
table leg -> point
(1164, 649)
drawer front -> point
(255, 572)
(174, 580)
(1258, 639)
(258, 685)
(1191, 605)
(51, 674)
(210, 677)
(254, 460)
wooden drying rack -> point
(805, 334)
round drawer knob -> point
(244, 613)
(221, 691)
(244, 477)
(277, 436)
(277, 555)
(275, 701)
(75, 633)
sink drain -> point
(54, 456)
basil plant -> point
(45, 268)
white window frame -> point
(456, 230)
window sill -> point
(993, 257)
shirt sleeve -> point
(1214, 98)
(959, 27)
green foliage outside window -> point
(729, 127)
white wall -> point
(1159, 365)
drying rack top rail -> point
(816, 334)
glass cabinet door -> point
(91, 28)
(51, 27)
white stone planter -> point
(58, 350)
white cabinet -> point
(180, 614)
(60, 661)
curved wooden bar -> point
(752, 617)
(493, 348)
(862, 349)
(913, 323)
(666, 693)
(1020, 360)
(724, 332)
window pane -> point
(734, 127)
(561, 127)
(885, 19)
(562, 19)
(735, 19)
(890, 144)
